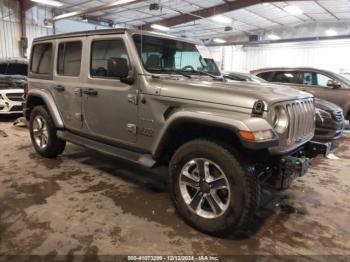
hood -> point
(241, 94)
(326, 106)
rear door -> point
(109, 105)
(67, 81)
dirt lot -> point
(83, 203)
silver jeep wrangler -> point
(156, 100)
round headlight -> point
(280, 120)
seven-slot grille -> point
(338, 116)
(17, 97)
(301, 120)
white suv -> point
(13, 78)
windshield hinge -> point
(132, 99)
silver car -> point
(155, 100)
(322, 84)
(13, 78)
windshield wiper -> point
(172, 71)
(206, 74)
(181, 73)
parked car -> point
(13, 76)
(329, 117)
(156, 100)
(322, 84)
(330, 121)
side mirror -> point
(117, 67)
(333, 84)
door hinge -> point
(132, 128)
(132, 99)
(78, 91)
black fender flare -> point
(48, 101)
(246, 123)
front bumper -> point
(11, 101)
(10, 107)
(328, 132)
(287, 168)
(290, 168)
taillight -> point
(25, 89)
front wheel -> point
(43, 133)
(211, 190)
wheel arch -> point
(184, 129)
(41, 97)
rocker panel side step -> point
(141, 159)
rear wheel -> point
(43, 133)
(211, 190)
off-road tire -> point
(244, 186)
(55, 146)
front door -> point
(67, 82)
(318, 86)
(109, 105)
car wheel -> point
(43, 133)
(211, 190)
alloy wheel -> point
(40, 132)
(204, 188)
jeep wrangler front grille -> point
(301, 120)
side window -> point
(322, 80)
(309, 78)
(3, 68)
(102, 53)
(265, 75)
(69, 58)
(41, 59)
(285, 77)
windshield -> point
(344, 78)
(162, 55)
(347, 76)
(13, 69)
(257, 79)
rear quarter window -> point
(41, 62)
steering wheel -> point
(188, 67)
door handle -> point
(59, 88)
(90, 92)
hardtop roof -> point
(110, 32)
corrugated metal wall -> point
(10, 33)
(10, 27)
(9, 39)
(333, 55)
(35, 26)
